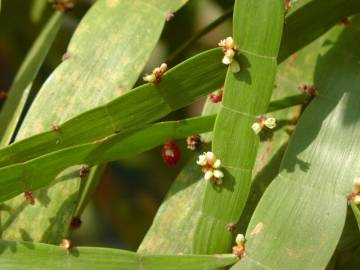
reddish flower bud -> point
(307, 89)
(344, 21)
(193, 142)
(3, 95)
(29, 197)
(75, 223)
(170, 153)
(84, 171)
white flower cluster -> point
(240, 239)
(230, 49)
(156, 74)
(356, 196)
(211, 167)
(269, 122)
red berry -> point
(217, 96)
(170, 153)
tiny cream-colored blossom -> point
(156, 74)
(357, 183)
(217, 164)
(256, 127)
(240, 239)
(356, 200)
(218, 174)
(210, 167)
(201, 160)
(270, 122)
(230, 50)
(263, 121)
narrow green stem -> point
(287, 102)
(199, 34)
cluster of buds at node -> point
(156, 74)
(170, 153)
(29, 197)
(308, 89)
(63, 5)
(355, 195)
(84, 171)
(230, 50)
(211, 168)
(217, 95)
(239, 249)
(262, 122)
(344, 21)
(193, 142)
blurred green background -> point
(131, 190)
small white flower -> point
(356, 200)
(149, 78)
(222, 43)
(218, 174)
(240, 239)
(211, 167)
(227, 60)
(229, 43)
(230, 50)
(230, 53)
(256, 127)
(156, 74)
(270, 122)
(357, 182)
(208, 175)
(210, 157)
(217, 164)
(163, 67)
(201, 160)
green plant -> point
(286, 187)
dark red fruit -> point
(170, 153)
(217, 96)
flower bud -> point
(270, 122)
(256, 127)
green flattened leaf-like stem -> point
(134, 109)
(111, 36)
(304, 208)
(28, 255)
(184, 193)
(110, 148)
(257, 31)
